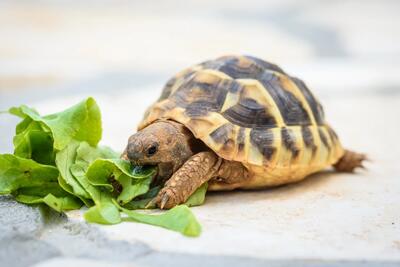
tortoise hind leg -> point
(350, 161)
(231, 175)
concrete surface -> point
(53, 54)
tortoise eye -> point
(151, 150)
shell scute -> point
(290, 107)
(247, 112)
(263, 140)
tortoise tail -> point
(350, 161)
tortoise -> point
(235, 122)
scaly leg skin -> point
(231, 175)
(197, 170)
(350, 161)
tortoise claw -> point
(151, 203)
(164, 201)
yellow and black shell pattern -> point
(248, 110)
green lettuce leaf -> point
(45, 189)
(102, 175)
(81, 122)
(34, 142)
(144, 201)
(73, 162)
(32, 183)
(64, 160)
(59, 204)
(83, 154)
(103, 211)
(16, 173)
(179, 219)
(57, 162)
(133, 182)
(198, 197)
(87, 153)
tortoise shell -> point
(248, 110)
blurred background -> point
(56, 53)
(122, 52)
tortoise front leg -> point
(197, 170)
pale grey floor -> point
(54, 53)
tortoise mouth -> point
(143, 165)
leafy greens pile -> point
(57, 161)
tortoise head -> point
(160, 142)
